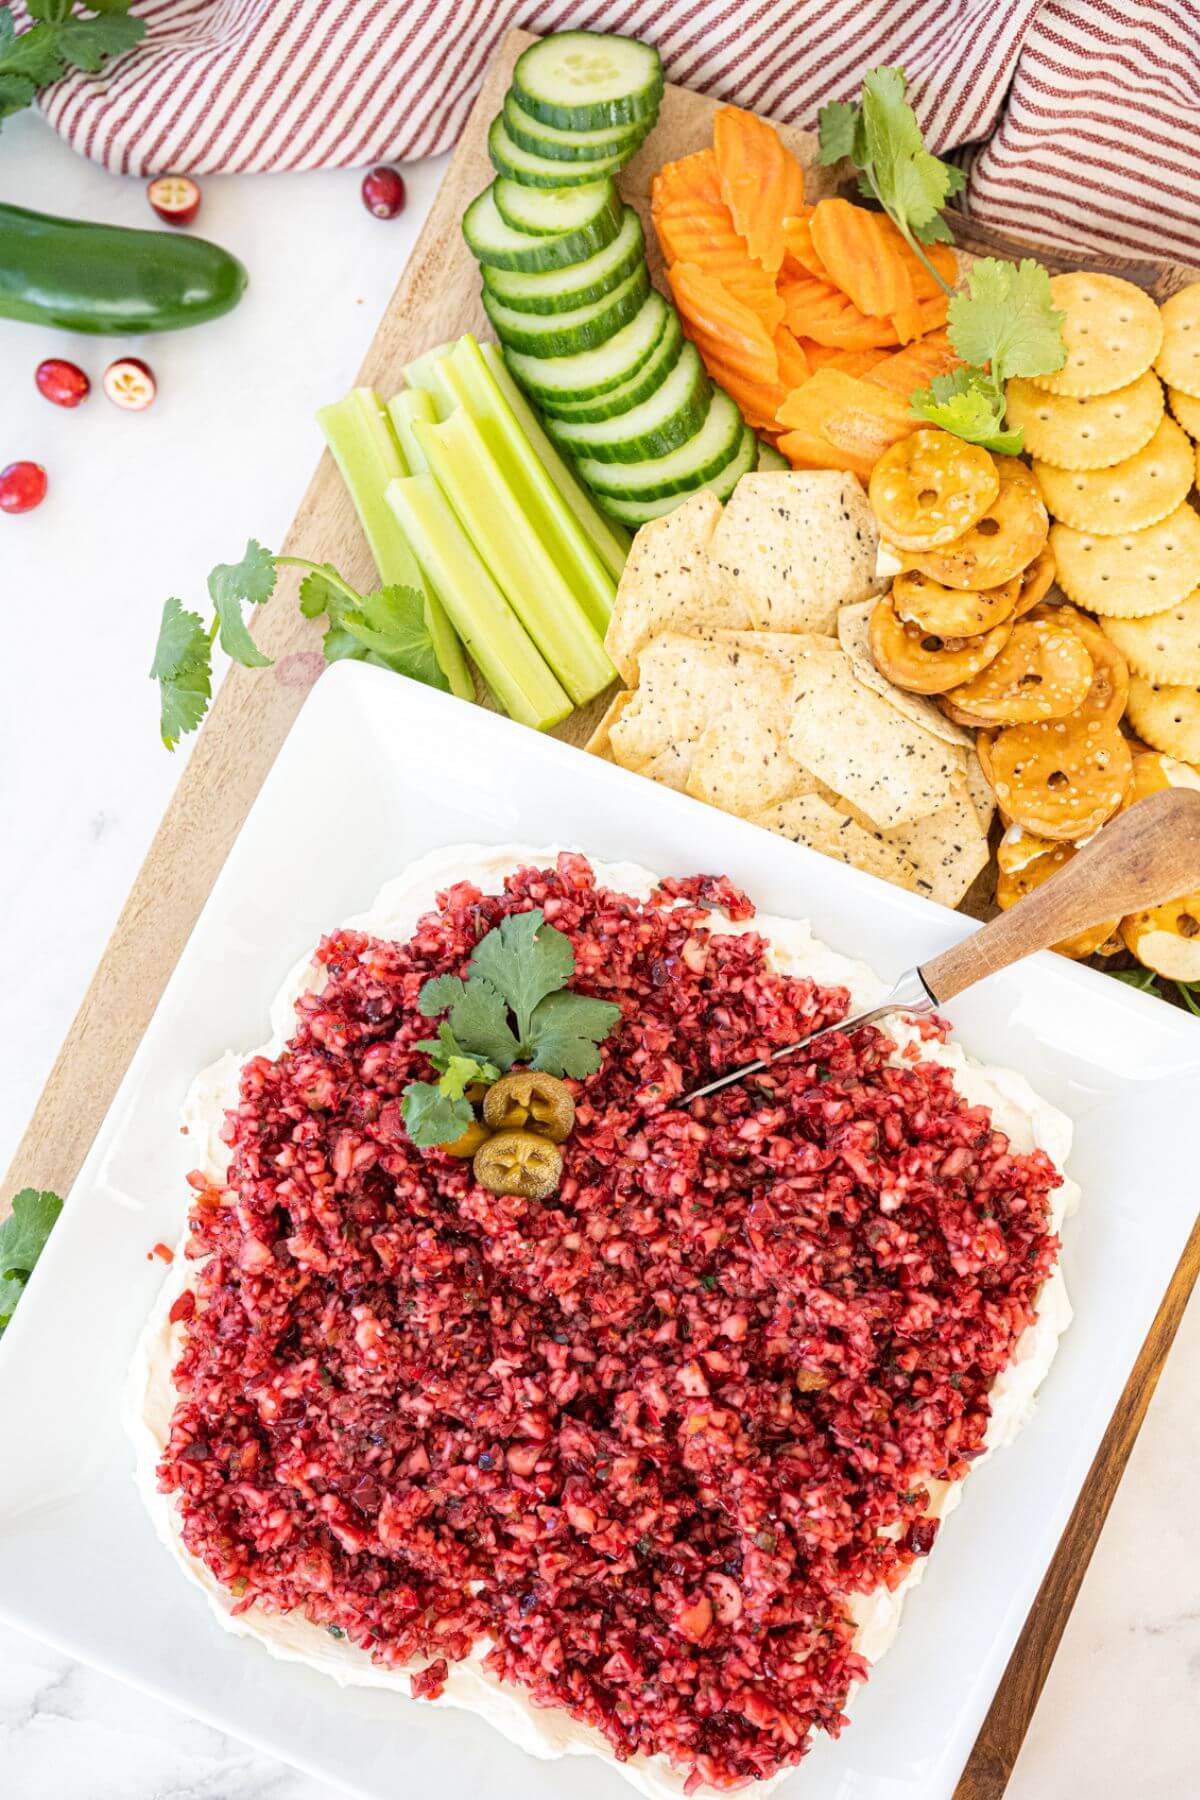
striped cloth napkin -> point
(1082, 117)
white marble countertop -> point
(140, 507)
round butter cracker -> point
(1178, 359)
(1167, 717)
(1086, 434)
(1128, 497)
(1112, 333)
(1186, 408)
(1136, 573)
(1162, 647)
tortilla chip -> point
(980, 790)
(863, 747)
(671, 766)
(740, 763)
(779, 647)
(795, 545)
(809, 819)
(853, 624)
(686, 683)
(598, 744)
(947, 848)
(667, 584)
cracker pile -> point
(1116, 471)
(741, 631)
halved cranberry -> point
(175, 198)
(62, 382)
(22, 487)
(383, 192)
(130, 384)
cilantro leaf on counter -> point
(966, 403)
(77, 34)
(230, 585)
(882, 139)
(432, 1117)
(182, 667)
(23, 1237)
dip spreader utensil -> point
(1145, 857)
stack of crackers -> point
(740, 633)
(1116, 471)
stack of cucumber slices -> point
(567, 290)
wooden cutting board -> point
(438, 298)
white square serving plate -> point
(376, 772)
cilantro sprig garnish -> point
(1005, 324)
(1147, 982)
(387, 627)
(882, 139)
(23, 1237)
(75, 34)
(513, 1007)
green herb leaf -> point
(1144, 979)
(566, 1032)
(34, 53)
(966, 403)
(88, 43)
(1189, 993)
(391, 622)
(182, 667)
(322, 591)
(524, 959)
(230, 585)
(459, 1068)
(439, 992)
(1007, 320)
(431, 1117)
(479, 1020)
(23, 1237)
(839, 131)
(16, 93)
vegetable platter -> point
(438, 297)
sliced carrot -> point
(757, 401)
(793, 363)
(934, 312)
(916, 365)
(801, 254)
(818, 356)
(816, 309)
(838, 421)
(694, 225)
(862, 260)
(692, 177)
(762, 184)
(942, 256)
(721, 325)
(859, 362)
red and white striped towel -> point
(1085, 114)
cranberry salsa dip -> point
(641, 1465)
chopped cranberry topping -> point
(647, 1437)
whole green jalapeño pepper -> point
(109, 279)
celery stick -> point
(511, 665)
(612, 541)
(468, 377)
(471, 479)
(425, 373)
(367, 451)
(403, 408)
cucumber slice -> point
(567, 146)
(769, 457)
(585, 80)
(704, 455)
(660, 424)
(543, 171)
(637, 512)
(499, 245)
(595, 371)
(558, 290)
(568, 333)
(548, 212)
(644, 382)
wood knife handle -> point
(1145, 857)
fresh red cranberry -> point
(383, 192)
(130, 384)
(920, 1535)
(175, 198)
(22, 487)
(62, 382)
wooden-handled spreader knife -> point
(1145, 857)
